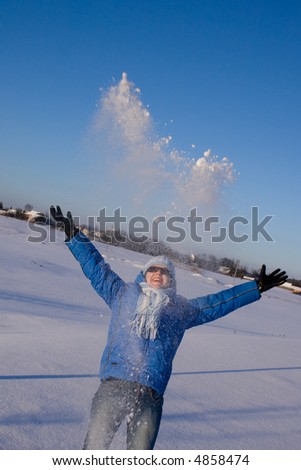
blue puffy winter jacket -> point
(131, 357)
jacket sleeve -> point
(105, 281)
(211, 307)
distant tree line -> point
(24, 214)
(149, 247)
(15, 213)
(156, 248)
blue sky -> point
(223, 75)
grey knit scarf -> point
(151, 301)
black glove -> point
(267, 281)
(66, 222)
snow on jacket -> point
(131, 357)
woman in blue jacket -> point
(147, 325)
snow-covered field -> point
(236, 383)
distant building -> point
(224, 270)
(35, 217)
(289, 286)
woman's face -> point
(158, 277)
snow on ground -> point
(236, 382)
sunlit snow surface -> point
(236, 383)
